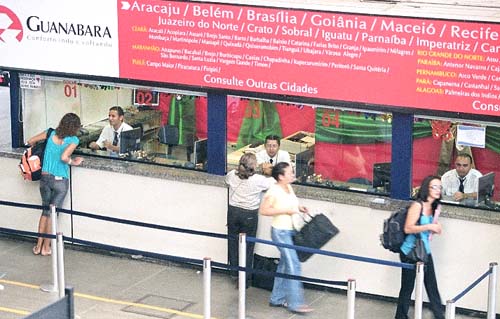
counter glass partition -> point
(329, 147)
(169, 123)
(437, 142)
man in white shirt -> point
(462, 182)
(271, 154)
(110, 135)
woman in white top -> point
(245, 189)
(281, 203)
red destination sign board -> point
(430, 64)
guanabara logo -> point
(11, 29)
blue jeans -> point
(287, 290)
(53, 191)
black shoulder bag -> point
(418, 253)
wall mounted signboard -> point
(403, 62)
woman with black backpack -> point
(421, 221)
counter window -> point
(328, 147)
(465, 154)
(160, 127)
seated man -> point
(461, 183)
(271, 154)
(110, 135)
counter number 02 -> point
(146, 98)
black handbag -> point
(314, 234)
(418, 252)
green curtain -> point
(493, 138)
(260, 120)
(182, 115)
(422, 129)
(342, 127)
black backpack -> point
(393, 234)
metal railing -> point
(58, 282)
(492, 280)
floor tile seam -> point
(322, 295)
(139, 305)
(98, 301)
(80, 314)
(123, 291)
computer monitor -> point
(200, 151)
(382, 176)
(169, 134)
(303, 163)
(485, 187)
(130, 140)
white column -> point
(419, 289)
(207, 276)
(351, 298)
(450, 309)
(60, 264)
(52, 287)
(492, 291)
(242, 261)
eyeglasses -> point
(436, 187)
(272, 146)
(461, 165)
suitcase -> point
(267, 264)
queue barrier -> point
(350, 284)
(164, 257)
(54, 285)
(241, 268)
(1, 276)
(242, 247)
(207, 282)
(57, 246)
(491, 273)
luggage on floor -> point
(268, 264)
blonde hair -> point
(247, 165)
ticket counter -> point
(366, 110)
(196, 200)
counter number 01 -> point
(70, 90)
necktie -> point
(271, 160)
(115, 139)
(461, 187)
